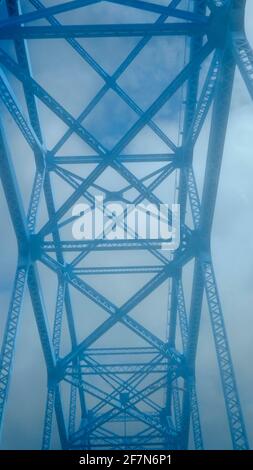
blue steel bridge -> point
(118, 320)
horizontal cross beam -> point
(101, 31)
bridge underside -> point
(109, 99)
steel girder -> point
(130, 380)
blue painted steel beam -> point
(105, 369)
(79, 246)
(10, 333)
(56, 238)
(54, 10)
(10, 101)
(74, 4)
(23, 59)
(21, 49)
(216, 143)
(120, 351)
(47, 346)
(57, 329)
(204, 272)
(134, 158)
(11, 190)
(204, 102)
(117, 270)
(72, 407)
(244, 58)
(195, 415)
(102, 31)
(177, 307)
(12, 194)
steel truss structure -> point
(143, 395)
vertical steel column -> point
(186, 156)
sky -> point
(73, 83)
